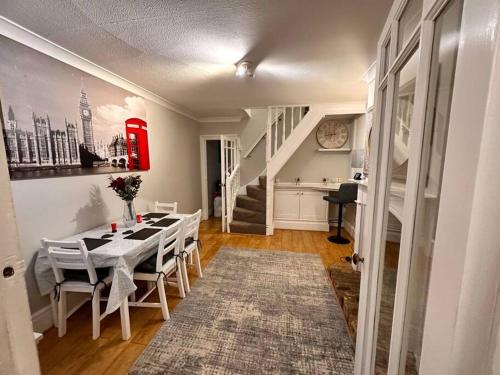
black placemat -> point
(143, 234)
(164, 222)
(94, 243)
(154, 215)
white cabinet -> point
(312, 206)
(300, 209)
(287, 205)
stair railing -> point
(281, 122)
(232, 188)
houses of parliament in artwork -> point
(42, 147)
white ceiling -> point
(307, 51)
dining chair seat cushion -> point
(188, 241)
(83, 275)
(333, 200)
(149, 265)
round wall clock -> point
(332, 134)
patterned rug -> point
(254, 312)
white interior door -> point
(421, 50)
(229, 159)
(18, 354)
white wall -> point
(58, 207)
(312, 166)
(248, 130)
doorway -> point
(214, 179)
(422, 103)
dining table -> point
(121, 252)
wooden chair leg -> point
(163, 298)
(185, 278)
(61, 313)
(96, 315)
(197, 263)
(179, 276)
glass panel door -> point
(409, 20)
(399, 148)
(444, 54)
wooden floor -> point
(77, 353)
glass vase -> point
(129, 218)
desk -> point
(301, 206)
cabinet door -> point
(312, 206)
(286, 204)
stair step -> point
(263, 181)
(256, 192)
(249, 228)
(244, 201)
(250, 216)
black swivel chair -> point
(348, 193)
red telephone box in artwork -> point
(137, 144)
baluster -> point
(292, 123)
(284, 127)
(268, 135)
(276, 133)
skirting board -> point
(349, 228)
(301, 225)
(42, 319)
(393, 236)
(393, 233)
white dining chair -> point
(75, 272)
(158, 267)
(170, 208)
(190, 247)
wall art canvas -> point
(60, 121)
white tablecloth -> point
(121, 255)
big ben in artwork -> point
(86, 115)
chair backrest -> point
(348, 192)
(192, 226)
(170, 240)
(170, 208)
(69, 255)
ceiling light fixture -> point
(244, 68)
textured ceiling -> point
(307, 51)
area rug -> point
(254, 312)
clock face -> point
(332, 134)
(86, 112)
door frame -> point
(19, 353)
(230, 159)
(203, 169)
(437, 341)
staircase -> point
(249, 214)
(287, 128)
